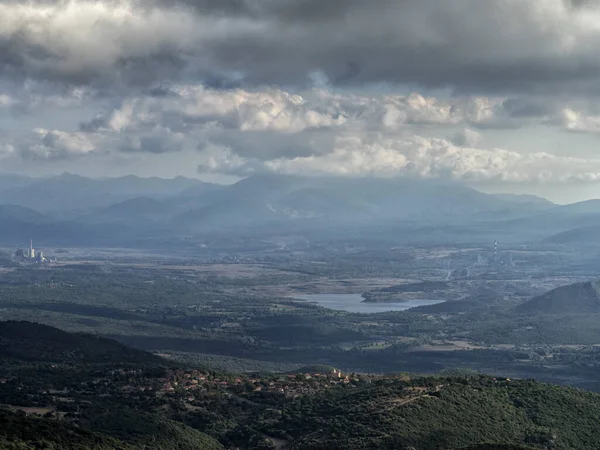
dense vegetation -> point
(118, 404)
(36, 342)
(21, 432)
(447, 413)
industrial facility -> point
(30, 254)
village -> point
(289, 385)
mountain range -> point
(71, 209)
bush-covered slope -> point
(28, 341)
(18, 431)
(141, 429)
(450, 413)
(127, 430)
(108, 405)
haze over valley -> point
(143, 212)
(193, 270)
(299, 224)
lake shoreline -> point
(355, 303)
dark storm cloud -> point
(527, 108)
(466, 138)
(151, 144)
(216, 7)
(97, 123)
(468, 45)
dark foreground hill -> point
(28, 341)
(21, 432)
(85, 381)
(93, 401)
(578, 298)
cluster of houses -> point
(194, 379)
(290, 385)
(189, 383)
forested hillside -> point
(123, 399)
(578, 298)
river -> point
(354, 303)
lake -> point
(354, 303)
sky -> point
(501, 95)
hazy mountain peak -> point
(524, 198)
(68, 176)
(577, 298)
(21, 213)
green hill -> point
(444, 413)
(141, 429)
(21, 432)
(26, 341)
(128, 431)
(578, 298)
(92, 401)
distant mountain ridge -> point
(21, 213)
(68, 192)
(138, 205)
(278, 198)
(133, 211)
(586, 236)
(70, 210)
(525, 198)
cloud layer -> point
(469, 45)
(418, 157)
(385, 88)
(241, 132)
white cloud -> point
(226, 82)
(193, 109)
(6, 100)
(6, 150)
(242, 131)
(29, 98)
(272, 109)
(216, 159)
(577, 121)
(91, 37)
(279, 111)
(56, 144)
(418, 157)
